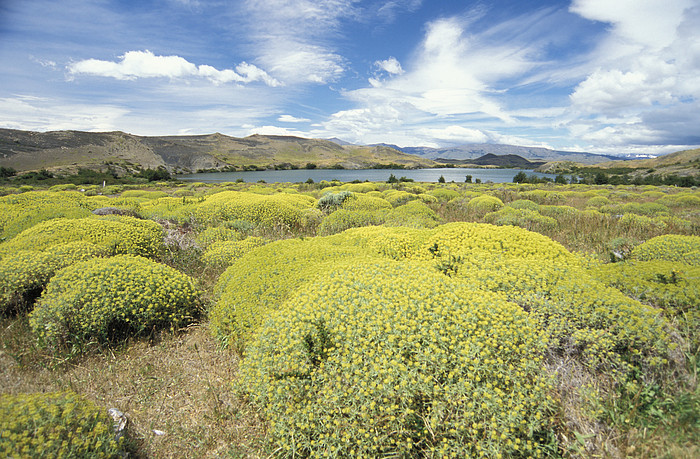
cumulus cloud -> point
(391, 66)
(292, 119)
(645, 71)
(144, 64)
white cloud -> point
(391, 66)
(144, 64)
(275, 130)
(293, 39)
(41, 114)
(292, 119)
(644, 72)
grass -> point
(179, 385)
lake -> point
(373, 175)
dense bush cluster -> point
(25, 273)
(57, 424)
(394, 359)
(121, 235)
(274, 211)
(110, 299)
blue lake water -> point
(373, 175)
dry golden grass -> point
(180, 386)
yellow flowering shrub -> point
(56, 424)
(524, 204)
(481, 205)
(398, 197)
(670, 247)
(174, 209)
(665, 284)
(598, 201)
(428, 198)
(522, 217)
(21, 211)
(261, 280)
(119, 234)
(396, 360)
(224, 253)
(414, 214)
(23, 274)
(144, 194)
(359, 187)
(444, 194)
(343, 219)
(543, 196)
(364, 202)
(109, 299)
(680, 200)
(277, 210)
(213, 234)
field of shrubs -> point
(350, 320)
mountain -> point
(509, 161)
(69, 150)
(476, 150)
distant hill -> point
(68, 150)
(679, 158)
(477, 150)
(680, 163)
(508, 161)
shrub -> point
(543, 196)
(670, 247)
(281, 210)
(175, 209)
(398, 197)
(109, 299)
(118, 234)
(214, 234)
(597, 201)
(524, 218)
(484, 204)
(680, 200)
(364, 202)
(524, 204)
(414, 214)
(144, 194)
(332, 201)
(21, 211)
(259, 282)
(444, 194)
(57, 424)
(224, 253)
(394, 359)
(343, 219)
(24, 274)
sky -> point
(613, 77)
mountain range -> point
(67, 150)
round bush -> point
(24, 274)
(483, 204)
(21, 211)
(522, 217)
(670, 247)
(224, 253)
(119, 234)
(343, 219)
(396, 360)
(57, 424)
(269, 211)
(109, 299)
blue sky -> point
(602, 76)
